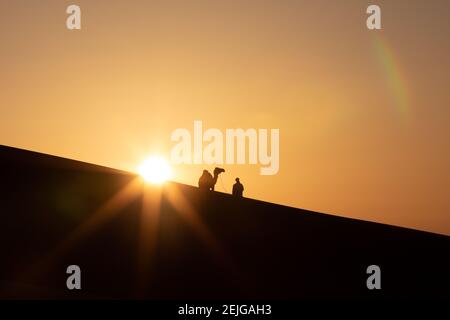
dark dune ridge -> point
(192, 244)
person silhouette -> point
(238, 188)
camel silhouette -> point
(207, 181)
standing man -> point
(238, 189)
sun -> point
(155, 169)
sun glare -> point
(155, 170)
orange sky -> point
(363, 115)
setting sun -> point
(155, 169)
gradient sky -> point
(364, 116)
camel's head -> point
(218, 171)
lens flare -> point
(395, 76)
(155, 170)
